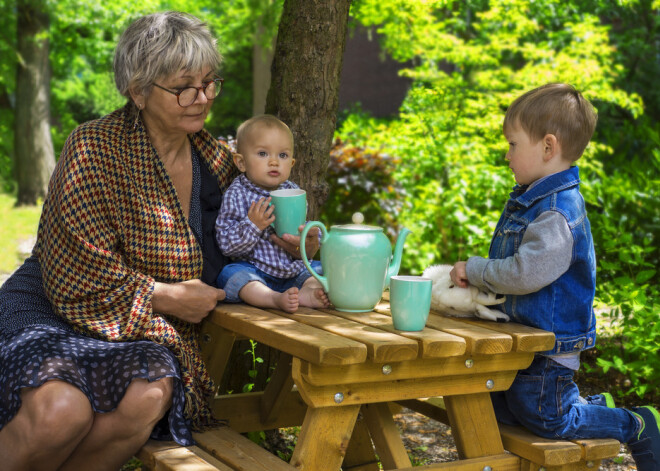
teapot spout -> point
(395, 264)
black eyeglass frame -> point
(203, 88)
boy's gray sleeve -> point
(545, 253)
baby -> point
(261, 273)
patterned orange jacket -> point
(112, 226)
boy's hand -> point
(458, 275)
(261, 213)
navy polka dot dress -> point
(36, 346)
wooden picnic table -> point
(336, 367)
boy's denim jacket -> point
(564, 307)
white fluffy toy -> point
(448, 298)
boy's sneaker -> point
(602, 399)
(645, 446)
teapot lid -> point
(357, 225)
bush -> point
(362, 181)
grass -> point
(18, 225)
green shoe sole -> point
(609, 400)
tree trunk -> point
(304, 90)
(34, 158)
(262, 58)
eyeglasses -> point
(187, 96)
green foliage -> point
(361, 181)
(82, 38)
(471, 59)
(254, 371)
(19, 225)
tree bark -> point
(304, 90)
(34, 158)
(262, 58)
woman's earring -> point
(137, 116)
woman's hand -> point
(261, 213)
(291, 243)
(190, 300)
(458, 275)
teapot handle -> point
(322, 279)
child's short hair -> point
(555, 108)
(267, 120)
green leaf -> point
(644, 275)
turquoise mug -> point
(410, 302)
(290, 210)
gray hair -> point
(159, 45)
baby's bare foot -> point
(313, 296)
(287, 301)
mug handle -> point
(322, 279)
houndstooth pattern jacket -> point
(112, 226)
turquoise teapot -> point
(357, 263)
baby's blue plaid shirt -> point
(240, 239)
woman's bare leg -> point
(258, 294)
(53, 419)
(116, 436)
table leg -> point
(360, 455)
(278, 389)
(473, 425)
(324, 438)
(386, 436)
(216, 343)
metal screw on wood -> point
(469, 363)
(339, 398)
(387, 369)
(487, 468)
(590, 464)
(490, 384)
(541, 468)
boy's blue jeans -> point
(545, 400)
(235, 275)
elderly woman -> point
(98, 328)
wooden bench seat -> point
(536, 453)
(556, 455)
(219, 449)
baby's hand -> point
(458, 275)
(261, 213)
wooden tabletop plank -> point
(525, 338)
(432, 343)
(381, 345)
(303, 341)
(479, 340)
